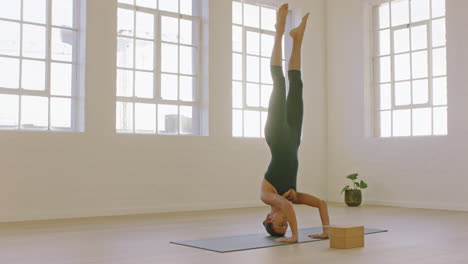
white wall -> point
(429, 172)
(59, 175)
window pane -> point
(237, 94)
(125, 52)
(384, 15)
(124, 117)
(251, 15)
(265, 72)
(438, 32)
(385, 96)
(402, 67)
(34, 41)
(168, 119)
(422, 122)
(169, 87)
(186, 88)
(384, 42)
(237, 13)
(237, 38)
(130, 2)
(61, 79)
(253, 43)
(421, 91)
(144, 55)
(10, 9)
(10, 73)
(33, 75)
(9, 107)
(60, 112)
(420, 10)
(401, 123)
(169, 57)
(439, 61)
(253, 69)
(169, 5)
(186, 120)
(186, 29)
(62, 44)
(145, 118)
(125, 22)
(237, 66)
(10, 38)
(34, 112)
(253, 95)
(186, 7)
(268, 18)
(267, 44)
(385, 123)
(419, 37)
(400, 12)
(251, 123)
(440, 121)
(33, 11)
(440, 91)
(62, 13)
(402, 93)
(266, 94)
(401, 40)
(438, 8)
(124, 83)
(169, 29)
(385, 70)
(187, 60)
(420, 65)
(144, 84)
(146, 3)
(144, 25)
(237, 123)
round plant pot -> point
(353, 197)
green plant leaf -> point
(344, 189)
(356, 185)
(363, 185)
(352, 176)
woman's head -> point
(276, 224)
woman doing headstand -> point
(283, 136)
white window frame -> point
(376, 66)
(157, 41)
(286, 51)
(77, 89)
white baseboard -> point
(81, 213)
(419, 205)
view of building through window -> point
(38, 65)
(158, 67)
(410, 64)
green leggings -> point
(283, 129)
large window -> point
(158, 67)
(253, 33)
(38, 65)
(411, 68)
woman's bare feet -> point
(298, 33)
(281, 18)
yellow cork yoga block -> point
(344, 237)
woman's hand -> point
(323, 235)
(290, 195)
(292, 239)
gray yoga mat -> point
(253, 241)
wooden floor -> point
(415, 236)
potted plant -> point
(353, 196)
